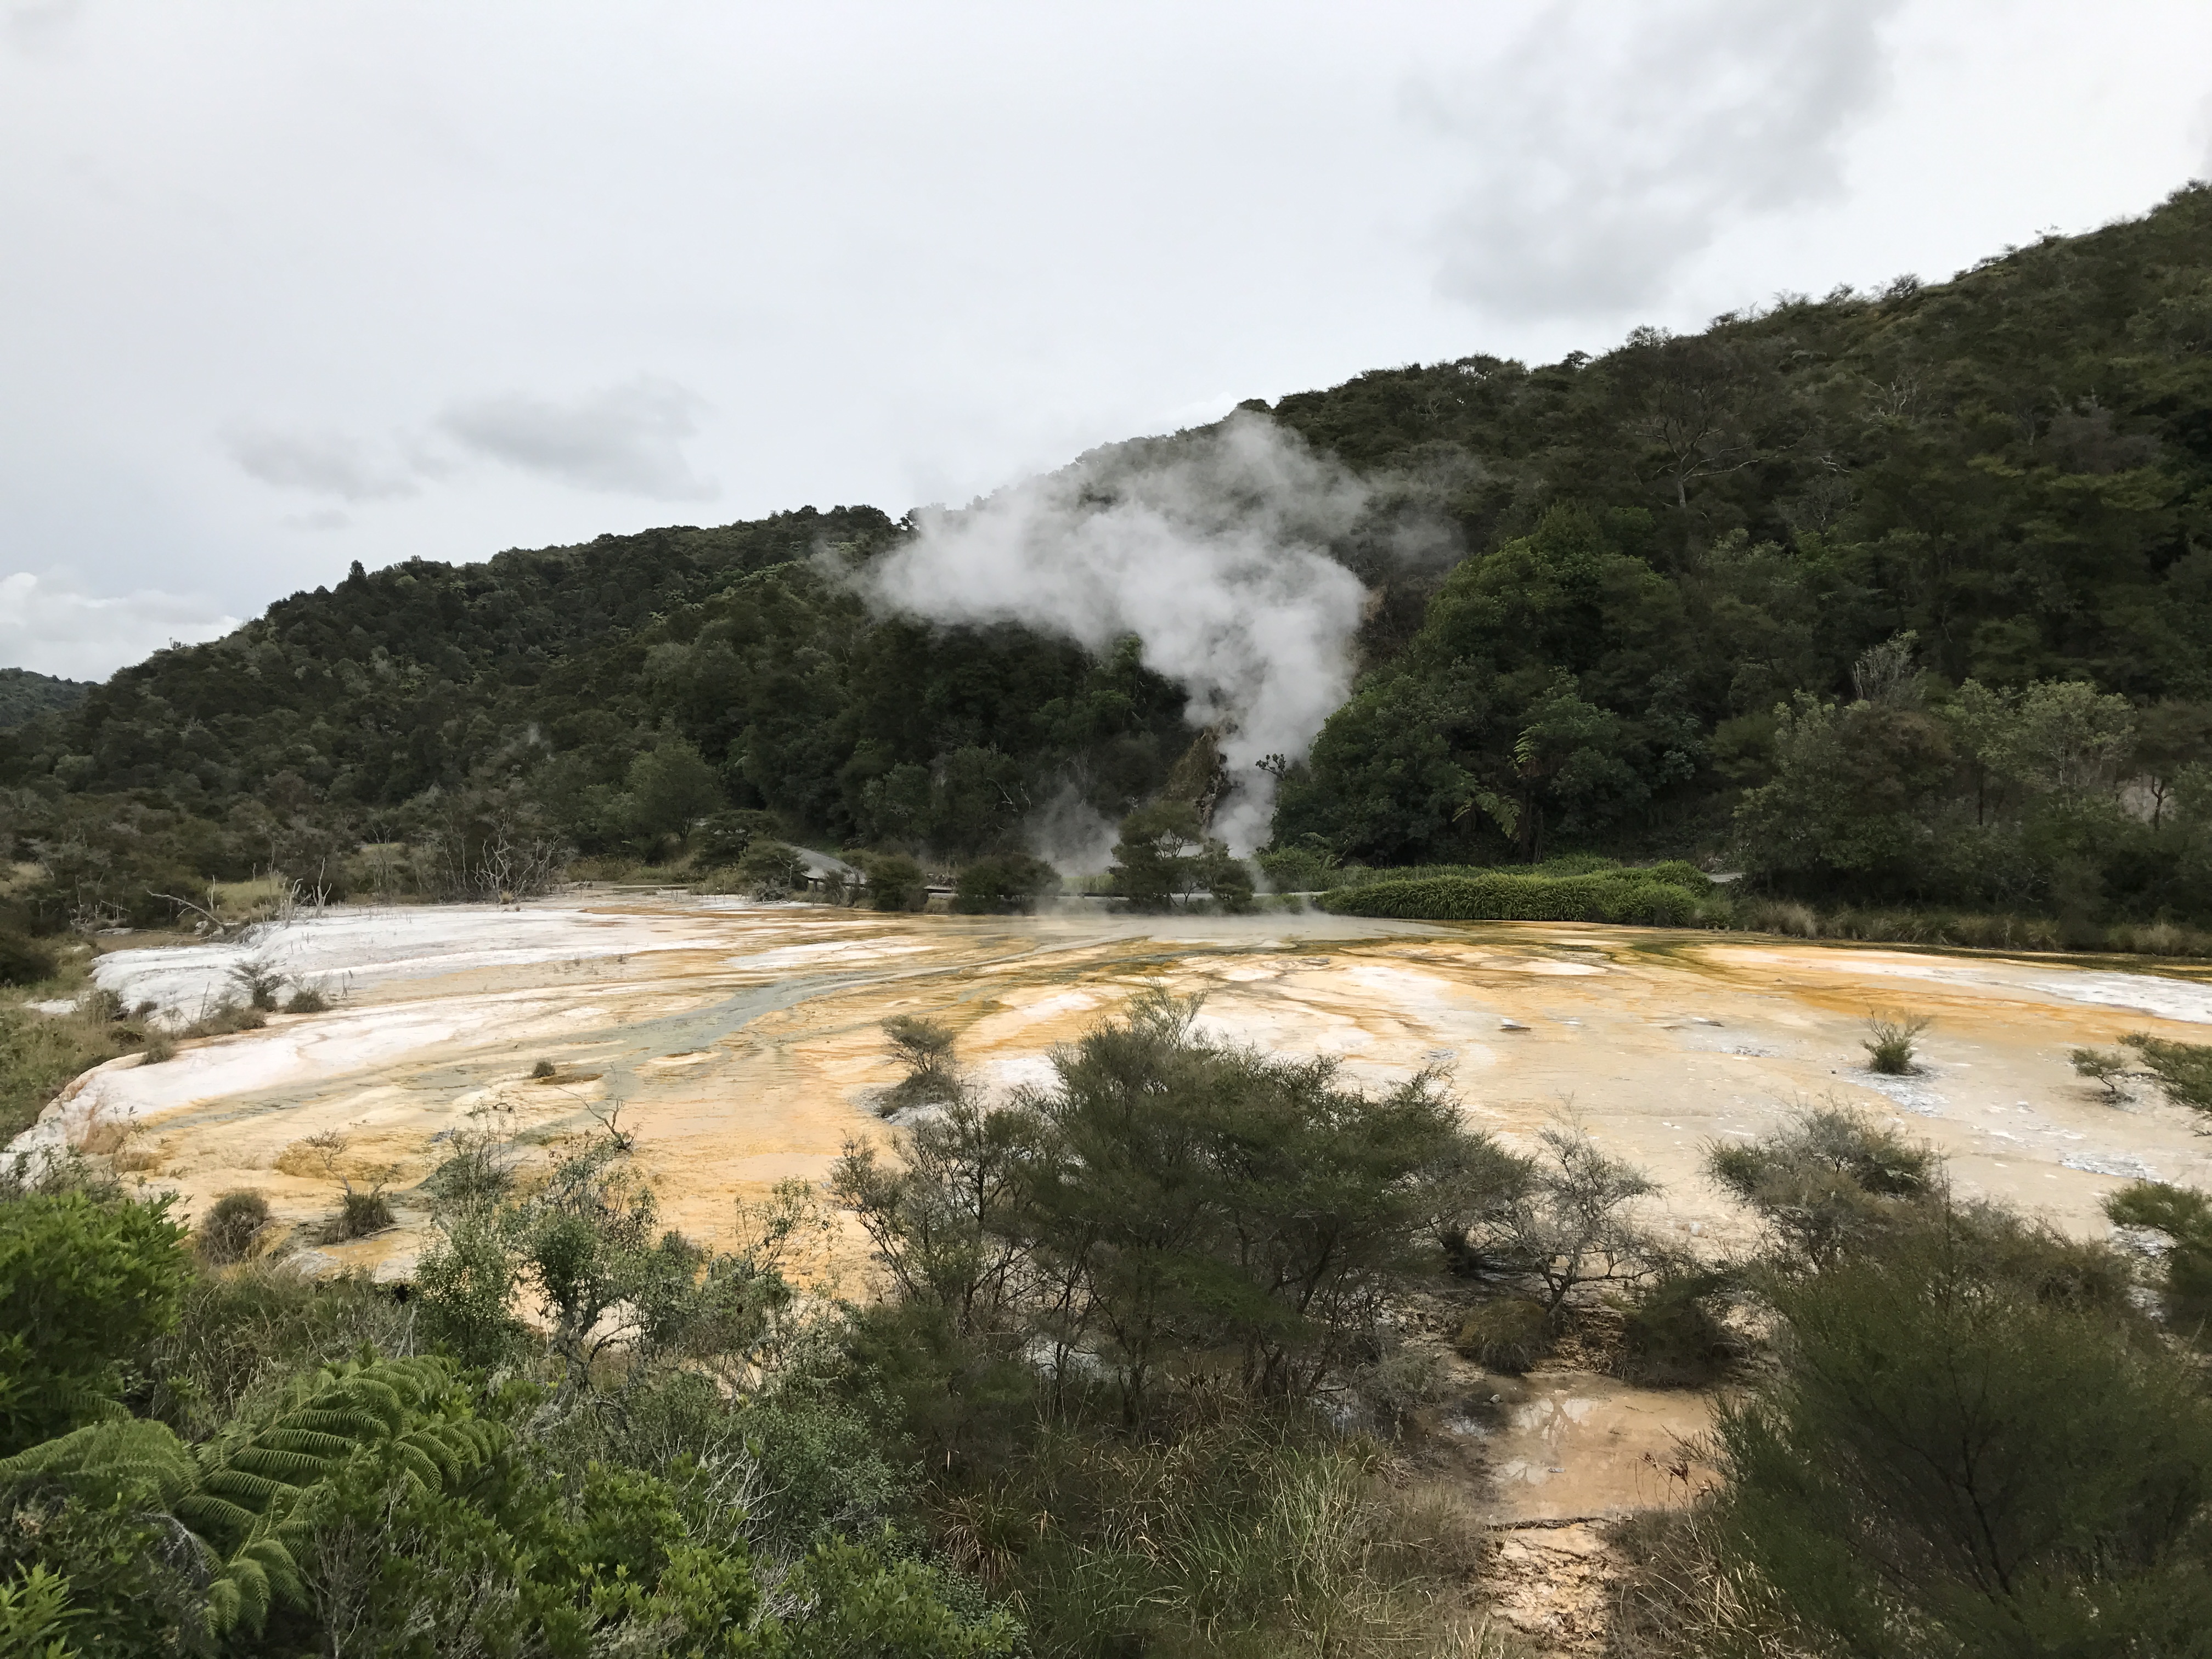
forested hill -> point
(24, 694)
(1653, 549)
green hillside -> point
(24, 694)
(1650, 553)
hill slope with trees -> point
(1666, 569)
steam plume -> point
(1209, 550)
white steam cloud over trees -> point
(1212, 552)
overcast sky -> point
(283, 286)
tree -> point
(2182, 1070)
(1169, 1206)
(670, 787)
(1568, 1223)
(1152, 861)
(621, 1297)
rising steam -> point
(1211, 551)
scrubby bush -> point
(770, 870)
(24, 960)
(1306, 867)
(896, 882)
(1968, 1440)
(2184, 1217)
(542, 1069)
(226, 1233)
(2106, 1068)
(1891, 1040)
(1829, 1181)
(924, 1049)
(1509, 1335)
(1559, 1221)
(1671, 1333)
(260, 983)
(307, 1000)
(2182, 1070)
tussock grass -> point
(1258, 1535)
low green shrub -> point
(1646, 898)
(1891, 1040)
(24, 960)
(1510, 1334)
(228, 1233)
(1671, 1336)
(2182, 1070)
(1007, 883)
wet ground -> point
(741, 1043)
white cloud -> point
(625, 439)
(1610, 152)
(48, 626)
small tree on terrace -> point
(1568, 1223)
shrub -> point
(24, 960)
(925, 1048)
(228, 1233)
(1561, 1220)
(543, 1069)
(1959, 1444)
(260, 981)
(2103, 1067)
(896, 882)
(1010, 882)
(1830, 1181)
(1670, 1336)
(307, 1000)
(1890, 1041)
(2182, 1070)
(1304, 868)
(85, 1282)
(2185, 1215)
(1510, 1334)
(362, 1214)
(225, 1020)
(1639, 897)
(159, 1048)
(770, 870)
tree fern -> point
(248, 1497)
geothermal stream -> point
(742, 1042)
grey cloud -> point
(1612, 152)
(625, 439)
(329, 463)
(38, 26)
